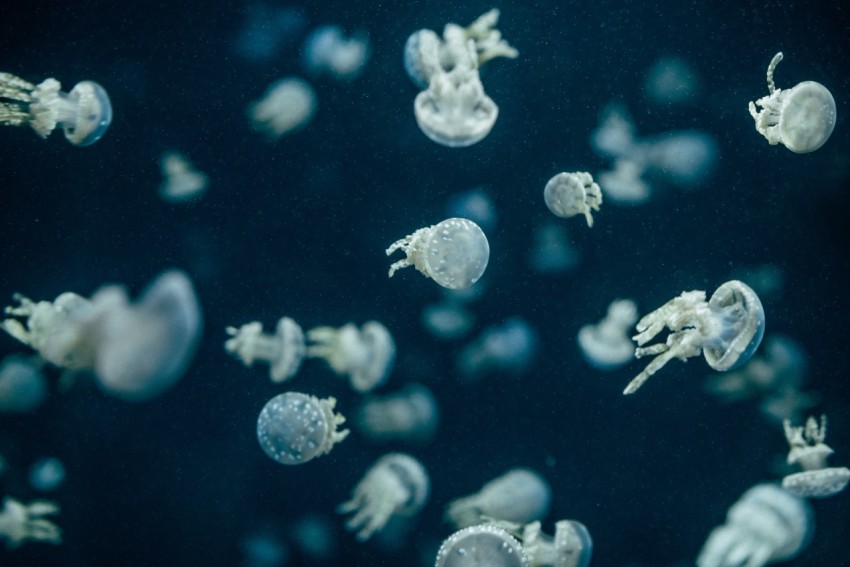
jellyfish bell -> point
(484, 545)
(741, 318)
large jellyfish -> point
(484, 545)
(809, 450)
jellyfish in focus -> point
(454, 252)
(396, 485)
(484, 545)
(287, 106)
(766, 525)
(570, 194)
(671, 80)
(366, 355)
(328, 51)
(800, 118)
(520, 496)
(283, 351)
(809, 450)
(181, 181)
(552, 252)
(607, 345)
(47, 474)
(410, 414)
(21, 522)
(23, 387)
(509, 347)
(84, 113)
(294, 428)
(727, 330)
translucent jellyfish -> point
(283, 351)
(570, 547)
(810, 452)
(520, 495)
(315, 538)
(607, 345)
(20, 522)
(671, 80)
(84, 113)
(22, 385)
(727, 330)
(294, 428)
(766, 525)
(552, 251)
(484, 545)
(454, 252)
(287, 106)
(475, 205)
(447, 319)
(509, 347)
(624, 184)
(263, 547)
(395, 485)
(683, 158)
(47, 474)
(801, 118)
(570, 194)
(328, 51)
(181, 180)
(616, 136)
(267, 30)
(410, 414)
(366, 355)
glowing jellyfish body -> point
(294, 428)
(671, 80)
(287, 106)
(571, 545)
(727, 330)
(454, 252)
(181, 181)
(800, 118)
(328, 51)
(570, 194)
(807, 449)
(606, 345)
(509, 347)
(20, 522)
(411, 414)
(84, 114)
(22, 385)
(484, 545)
(47, 474)
(366, 355)
(683, 158)
(447, 319)
(520, 495)
(475, 205)
(283, 352)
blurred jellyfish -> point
(607, 345)
(315, 538)
(410, 414)
(809, 450)
(767, 280)
(766, 525)
(484, 545)
(571, 546)
(624, 184)
(22, 385)
(328, 51)
(366, 355)
(671, 80)
(47, 474)
(263, 547)
(520, 495)
(571, 194)
(615, 137)
(20, 522)
(181, 180)
(287, 106)
(84, 113)
(552, 251)
(283, 351)
(447, 319)
(475, 205)
(684, 159)
(267, 30)
(509, 347)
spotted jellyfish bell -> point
(810, 452)
(483, 545)
(570, 194)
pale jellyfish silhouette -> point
(267, 30)
(328, 51)
(84, 114)
(800, 118)
(447, 319)
(683, 158)
(671, 80)
(315, 538)
(607, 345)
(283, 352)
(23, 387)
(809, 450)
(475, 205)
(624, 184)
(520, 495)
(552, 251)
(181, 181)
(484, 545)
(47, 474)
(509, 347)
(365, 355)
(410, 414)
(263, 547)
(571, 546)
(287, 106)
(21, 522)
(570, 194)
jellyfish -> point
(800, 118)
(182, 181)
(520, 495)
(671, 80)
(21, 522)
(267, 30)
(570, 547)
(287, 106)
(616, 135)
(810, 452)
(607, 345)
(327, 50)
(454, 252)
(484, 545)
(447, 319)
(624, 184)
(366, 355)
(47, 474)
(315, 538)
(396, 485)
(410, 414)
(766, 525)
(727, 330)
(570, 194)
(475, 205)
(294, 428)
(263, 547)
(22, 385)
(552, 251)
(683, 158)
(509, 347)
(283, 351)
(84, 113)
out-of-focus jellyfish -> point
(509, 347)
(484, 545)
(800, 118)
(615, 137)
(727, 329)
(475, 205)
(263, 547)
(20, 522)
(520, 496)
(396, 485)
(410, 414)
(810, 452)
(294, 428)
(136, 350)
(287, 106)
(181, 181)
(454, 252)
(315, 538)
(366, 355)
(47, 474)
(328, 51)
(22, 385)
(84, 113)
(767, 280)
(283, 351)
(766, 525)
(267, 30)
(570, 194)
(684, 158)
(624, 184)
(671, 80)
(571, 545)
(447, 319)
(607, 345)
(552, 251)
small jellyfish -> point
(607, 345)
(22, 385)
(475, 205)
(294, 428)
(520, 495)
(315, 538)
(570, 547)
(454, 252)
(624, 184)
(47, 474)
(570, 194)
(616, 135)
(365, 355)
(396, 485)
(20, 522)
(84, 113)
(727, 330)
(410, 414)
(509, 347)
(671, 80)
(283, 351)
(810, 452)
(766, 525)
(182, 181)
(683, 158)
(552, 252)
(800, 118)
(328, 51)
(267, 30)
(447, 319)
(287, 106)
(484, 545)
(263, 547)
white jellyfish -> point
(766, 525)
(181, 180)
(607, 345)
(20, 522)
(671, 80)
(396, 485)
(683, 158)
(509, 347)
(283, 351)
(484, 545)
(552, 252)
(328, 51)
(570, 194)
(616, 135)
(294, 428)
(454, 252)
(47, 474)
(727, 330)
(571, 546)
(287, 106)
(624, 184)
(22, 385)
(800, 118)
(410, 414)
(810, 452)
(84, 113)
(365, 355)
(520, 495)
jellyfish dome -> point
(484, 545)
